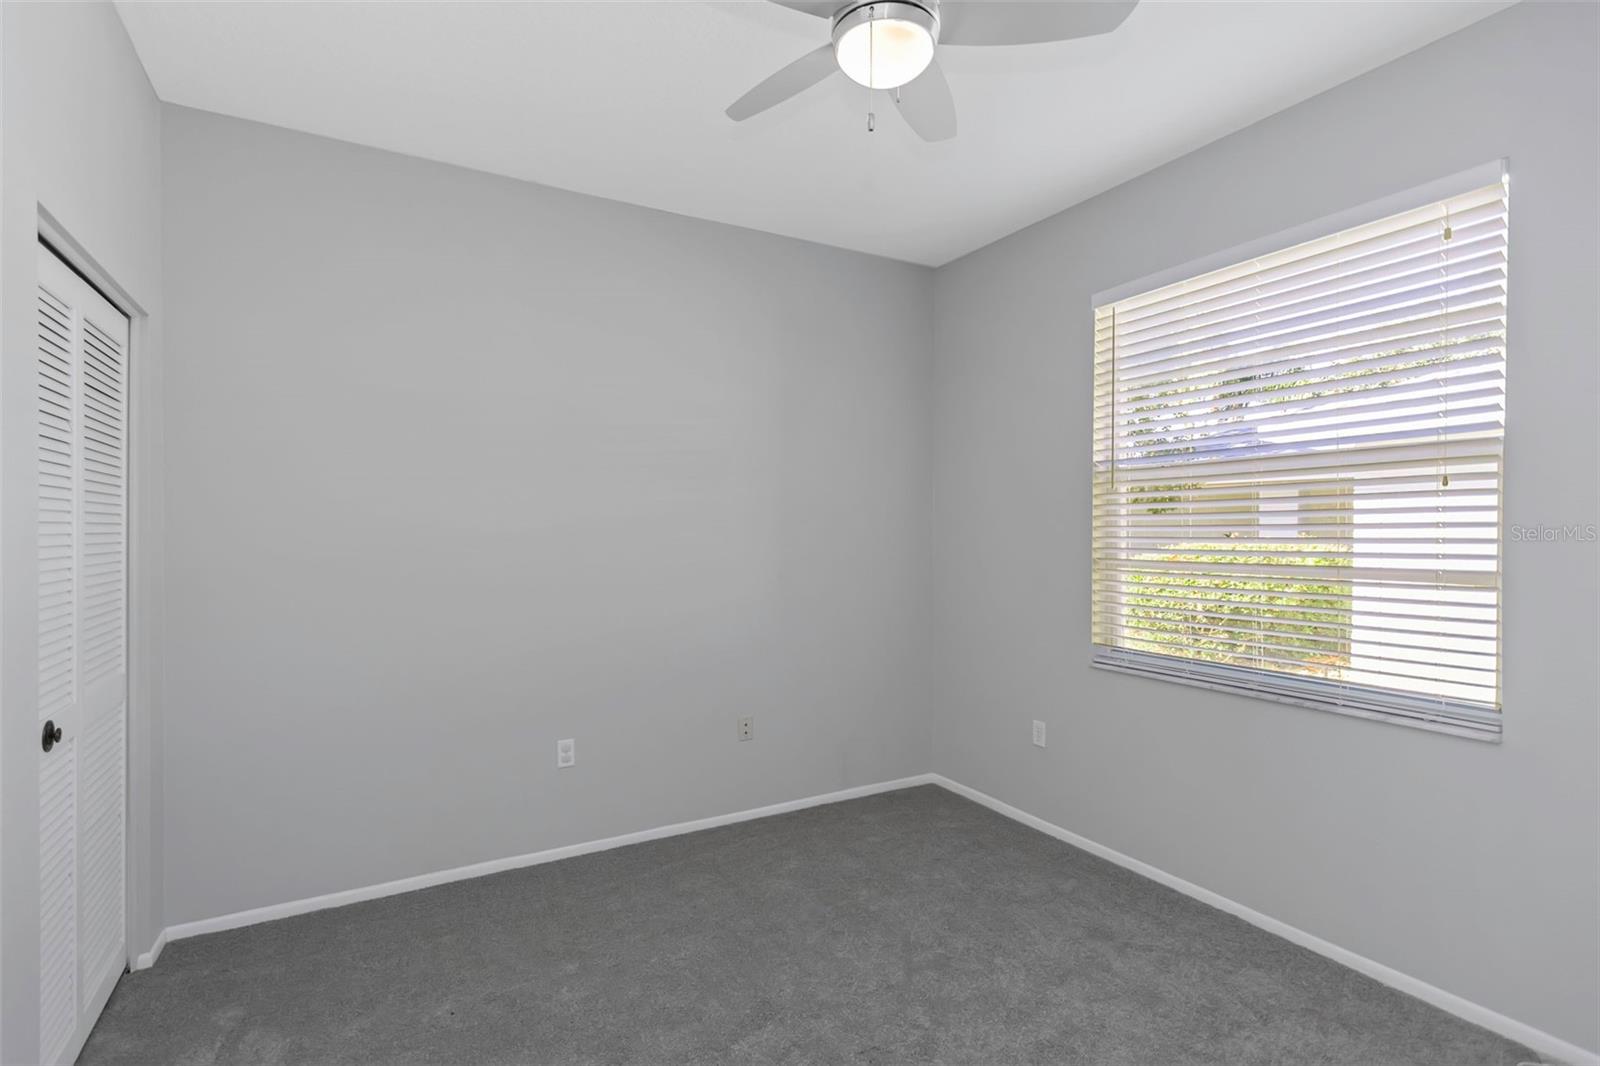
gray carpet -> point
(908, 927)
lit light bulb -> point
(885, 51)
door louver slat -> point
(82, 658)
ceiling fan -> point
(889, 44)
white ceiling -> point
(624, 100)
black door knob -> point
(52, 735)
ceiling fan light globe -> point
(884, 45)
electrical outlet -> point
(1038, 734)
(566, 753)
(747, 728)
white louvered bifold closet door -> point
(82, 555)
(1298, 471)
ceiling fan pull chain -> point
(872, 120)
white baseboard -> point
(148, 958)
(494, 866)
(1544, 1043)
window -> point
(1297, 470)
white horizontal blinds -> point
(1298, 469)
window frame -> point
(1433, 713)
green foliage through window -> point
(1298, 624)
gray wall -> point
(1468, 865)
(81, 140)
(459, 466)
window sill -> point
(1470, 723)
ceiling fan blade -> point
(1028, 21)
(820, 8)
(797, 77)
(927, 105)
